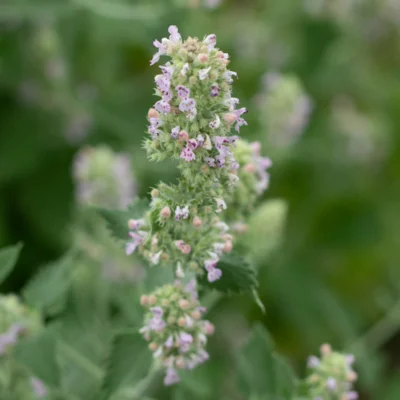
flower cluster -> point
(253, 181)
(285, 109)
(191, 123)
(15, 321)
(184, 227)
(103, 177)
(331, 376)
(174, 328)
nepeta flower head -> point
(175, 330)
(103, 177)
(194, 81)
(284, 109)
(331, 375)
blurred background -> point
(321, 81)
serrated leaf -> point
(37, 353)
(261, 372)
(8, 259)
(48, 289)
(238, 275)
(117, 220)
(84, 343)
(128, 363)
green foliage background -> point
(336, 275)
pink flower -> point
(192, 144)
(214, 274)
(162, 106)
(210, 41)
(175, 36)
(214, 92)
(181, 213)
(137, 240)
(215, 123)
(183, 92)
(240, 121)
(210, 162)
(162, 49)
(171, 377)
(175, 132)
(200, 140)
(187, 154)
(221, 205)
(163, 83)
(228, 76)
(203, 73)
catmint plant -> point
(285, 109)
(331, 376)
(191, 123)
(175, 328)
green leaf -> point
(8, 259)
(84, 343)
(128, 363)
(48, 290)
(117, 220)
(238, 275)
(38, 353)
(261, 373)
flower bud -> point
(181, 322)
(152, 300)
(197, 222)
(209, 328)
(186, 249)
(153, 113)
(326, 349)
(203, 58)
(165, 212)
(165, 302)
(144, 300)
(183, 304)
(250, 168)
(228, 246)
(230, 118)
(183, 136)
(196, 314)
(155, 193)
(153, 346)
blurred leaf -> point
(48, 289)
(128, 363)
(8, 259)
(38, 353)
(260, 371)
(85, 336)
